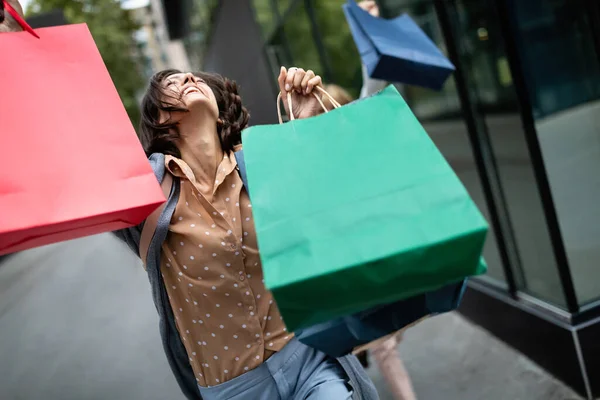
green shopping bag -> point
(356, 208)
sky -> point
(129, 4)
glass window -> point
(562, 69)
(557, 50)
(482, 54)
(441, 117)
(428, 105)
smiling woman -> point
(219, 322)
(164, 106)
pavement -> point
(448, 357)
(77, 323)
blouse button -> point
(241, 277)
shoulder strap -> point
(239, 156)
(152, 221)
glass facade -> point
(562, 70)
(560, 61)
(483, 56)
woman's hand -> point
(370, 7)
(300, 84)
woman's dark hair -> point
(161, 137)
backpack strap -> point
(152, 221)
(241, 166)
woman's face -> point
(193, 92)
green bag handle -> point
(289, 101)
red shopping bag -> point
(70, 162)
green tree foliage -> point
(296, 36)
(297, 33)
(341, 51)
(112, 29)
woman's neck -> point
(201, 149)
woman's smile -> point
(192, 89)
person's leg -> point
(329, 382)
(296, 372)
(392, 368)
(256, 384)
(317, 376)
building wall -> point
(158, 50)
(173, 49)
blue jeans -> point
(297, 372)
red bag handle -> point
(18, 18)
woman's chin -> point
(203, 107)
(195, 101)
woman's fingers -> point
(312, 83)
(298, 80)
(294, 79)
(281, 79)
(366, 4)
(370, 6)
(289, 80)
(298, 77)
(374, 11)
(304, 84)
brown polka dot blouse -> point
(227, 320)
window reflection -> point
(441, 115)
(558, 54)
(563, 73)
(491, 85)
(563, 77)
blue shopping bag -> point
(397, 50)
(340, 336)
